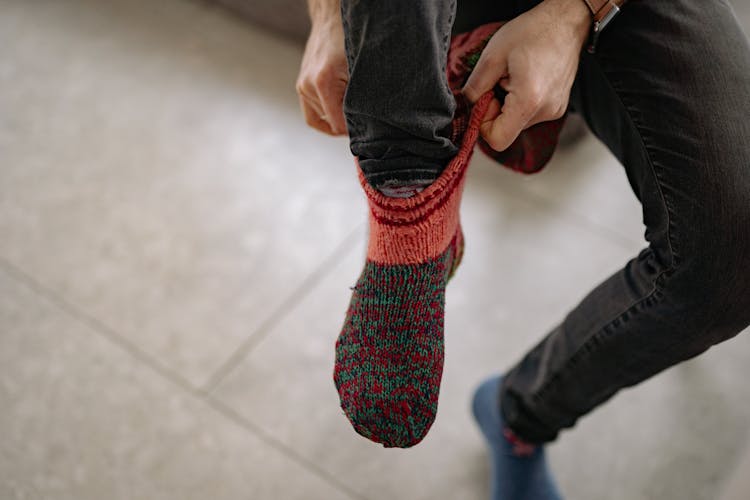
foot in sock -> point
(518, 470)
(389, 355)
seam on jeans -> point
(351, 125)
(447, 34)
(446, 42)
(656, 293)
(652, 162)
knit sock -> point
(519, 470)
(389, 355)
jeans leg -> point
(668, 92)
(398, 105)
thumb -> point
(332, 100)
(501, 126)
(493, 111)
(491, 67)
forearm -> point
(320, 10)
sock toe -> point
(390, 399)
(400, 425)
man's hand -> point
(534, 58)
(323, 75)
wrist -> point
(324, 11)
(573, 15)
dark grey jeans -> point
(668, 92)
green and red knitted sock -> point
(389, 355)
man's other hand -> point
(534, 58)
(324, 73)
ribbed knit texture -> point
(389, 355)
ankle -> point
(403, 189)
(519, 447)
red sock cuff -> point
(419, 228)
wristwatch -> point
(603, 11)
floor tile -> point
(738, 484)
(152, 171)
(81, 419)
(677, 436)
(742, 10)
(585, 183)
(156, 173)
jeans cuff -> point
(378, 177)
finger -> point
(493, 111)
(309, 97)
(313, 111)
(555, 109)
(501, 131)
(314, 116)
(332, 103)
(491, 67)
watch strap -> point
(602, 12)
(602, 9)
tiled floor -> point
(176, 249)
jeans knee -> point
(710, 287)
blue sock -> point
(518, 470)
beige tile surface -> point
(583, 183)
(167, 220)
(676, 436)
(738, 484)
(157, 172)
(82, 419)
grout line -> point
(265, 328)
(100, 328)
(231, 414)
(94, 324)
